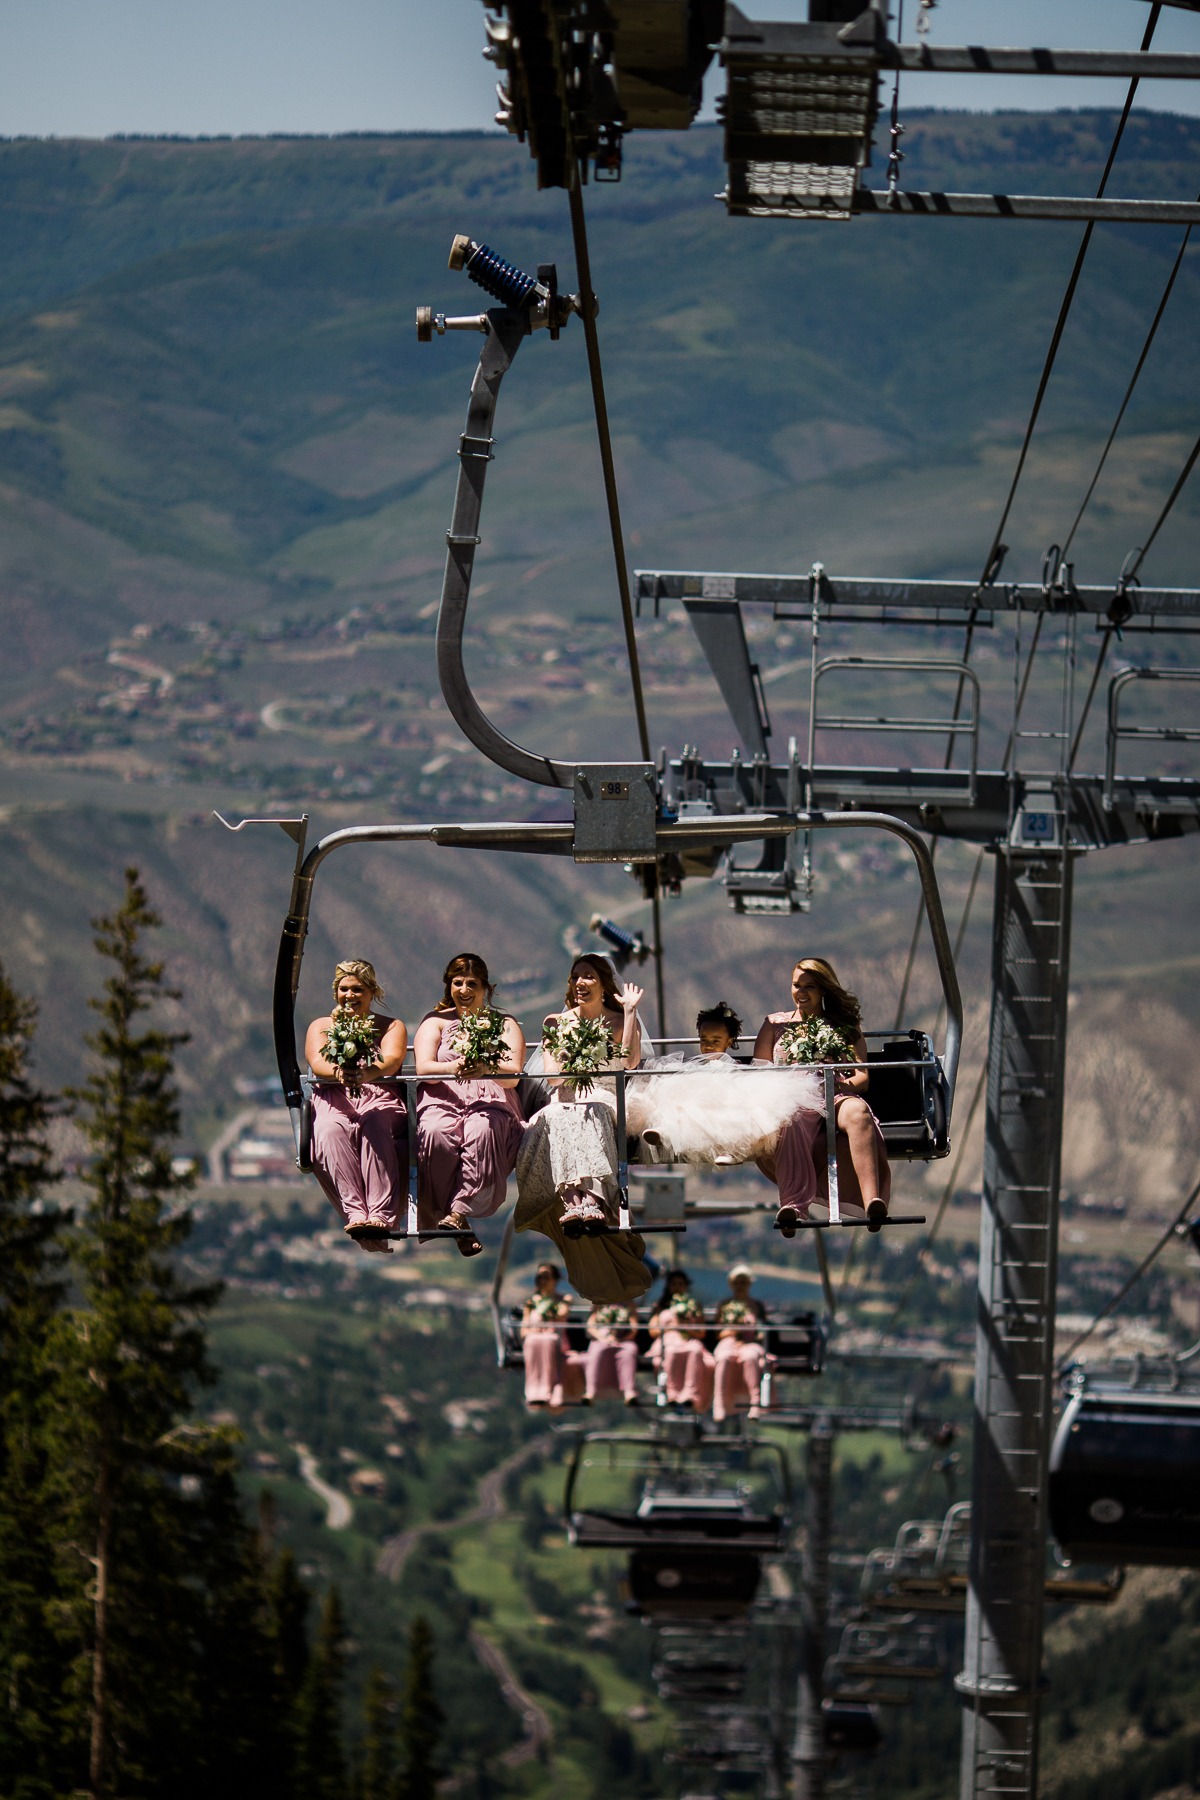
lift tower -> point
(1035, 821)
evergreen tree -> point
(159, 1602)
(30, 1291)
(320, 1766)
(377, 1767)
(421, 1719)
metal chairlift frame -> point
(764, 1535)
(625, 831)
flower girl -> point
(711, 1109)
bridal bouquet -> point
(736, 1312)
(687, 1309)
(479, 1040)
(815, 1041)
(350, 1044)
(614, 1318)
(581, 1048)
(548, 1309)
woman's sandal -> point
(582, 1217)
(788, 1219)
(877, 1213)
(366, 1231)
(466, 1241)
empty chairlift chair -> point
(1125, 1477)
(695, 1496)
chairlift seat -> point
(678, 1528)
(1125, 1478)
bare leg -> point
(869, 1162)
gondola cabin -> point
(1125, 1477)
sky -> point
(88, 68)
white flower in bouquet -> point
(815, 1041)
(687, 1309)
(549, 1308)
(480, 1041)
(350, 1044)
(581, 1048)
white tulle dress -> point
(714, 1107)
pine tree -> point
(160, 1600)
(30, 1291)
(377, 1768)
(320, 1766)
(421, 1719)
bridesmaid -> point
(468, 1126)
(678, 1327)
(740, 1356)
(356, 1125)
(817, 994)
(611, 1364)
(553, 1374)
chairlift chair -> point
(851, 1726)
(692, 1585)
(1124, 1481)
(696, 1497)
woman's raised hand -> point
(630, 997)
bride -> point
(567, 1165)
(711, 1109)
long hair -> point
(838, 1004)
(721, 1014)
(361, 971)
(608, 981)
(465, 963)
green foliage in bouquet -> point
(815, 1041)
(581, 1048)
(479, 1040)
(736, 1312)
(615, 1316)
(350, 1044)
(549, 1308)
(687, 1309)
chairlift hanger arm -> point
(529, 303)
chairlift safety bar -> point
(1170, 734)
(542, 837)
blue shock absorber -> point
(510, 285)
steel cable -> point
(1067, 301)
(1133, 381)
(583, 269)
(1141, 1269)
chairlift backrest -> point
(909, 1096)
(706, 1584)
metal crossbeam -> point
(873, 202)
(882, 598)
